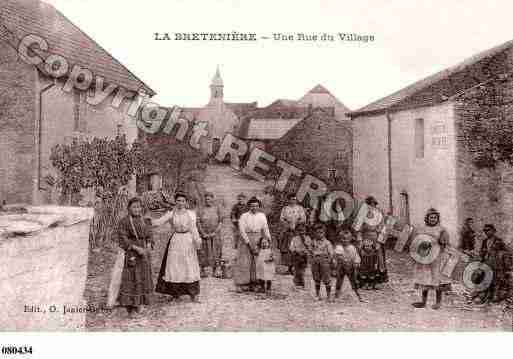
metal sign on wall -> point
(439, 136)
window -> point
(419, 138)
(119, 130)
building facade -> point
(415, 149)
(36, 114)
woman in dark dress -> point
(135, 239)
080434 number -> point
(16, 350)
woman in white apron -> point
(180, 273)
(253, 226)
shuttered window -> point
(419, 138)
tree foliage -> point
(100, 163)
(176, 161)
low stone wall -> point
(43, 273)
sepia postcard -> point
(240, 166)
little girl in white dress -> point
(265, 266)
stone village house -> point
(411, 149)
(35, 114)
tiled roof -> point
(444, 84)
(279, 112)
(283, 103)
(268, 129)
(241, 108)
(24, 17)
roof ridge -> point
(410, 90)
(99, 46)
(319, 89)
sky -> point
(411, 40)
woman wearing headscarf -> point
(253, 226)
(180, 273)
(135, 238)
(429, 250)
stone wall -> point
(17, 127)
(316, 144)
(485, 185)
(370, 174)
(45, 269)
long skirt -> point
(382, 263)
(284, 245)
(299, 262)
(430, 276)
(185, 269)
(136, 282)
(211, 251)
(244, 270)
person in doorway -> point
(179, 272)
(253, 227)
(428, 276)
(210, 221)
(468, 236)
(135, 238)
(291, 215)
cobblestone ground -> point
(287, 308)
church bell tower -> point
(216, 87)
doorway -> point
(404, 208)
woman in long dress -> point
(180, 272)
(428, 274)
(253, 227)
(135, 239)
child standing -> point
(322, 252)
(346, 262)
(265, 266)
(299, 247)
(368, 272)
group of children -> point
(341, 258)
